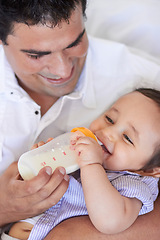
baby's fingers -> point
(49, 139)
(36, 145)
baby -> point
(119, 178)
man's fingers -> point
(49, 194)
(42, 185)
(53, 198)
(11, 171)
(22, 199)
(56, 180)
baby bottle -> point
(55, 153)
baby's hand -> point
(74, 137)
(88, 151)
(41, 143)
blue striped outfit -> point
(72, 203)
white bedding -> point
(133, 22)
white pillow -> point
(133, 22)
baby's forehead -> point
(134, 99)
(138, 106)
(130, 96)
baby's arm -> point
(108, 210)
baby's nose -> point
(111, 134)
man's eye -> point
(109, 120)
(127, 138)
(34, 56)
(75, 44)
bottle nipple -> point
(85, 131)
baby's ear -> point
(155, 172)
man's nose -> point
(60, 64)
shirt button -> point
(36, 112)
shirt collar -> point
(8, 79)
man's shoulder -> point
(108, 58)
(111, 50)
(116, 58)
(103, 46)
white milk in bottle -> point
(55, 153)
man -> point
(51, 82)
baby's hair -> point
(155, 96)
(151, 93)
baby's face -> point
(129, 131)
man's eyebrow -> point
(35, 52)
(77, 40)
(42, 53)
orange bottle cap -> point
(85, 131)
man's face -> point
(48, 60)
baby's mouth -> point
(105, 149)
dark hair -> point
(155, 96)
(32, 12)
(150, 93)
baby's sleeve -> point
(135, 186)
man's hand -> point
(22, 199)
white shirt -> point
(110, 71)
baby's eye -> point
(127, 138)
(109, 120)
